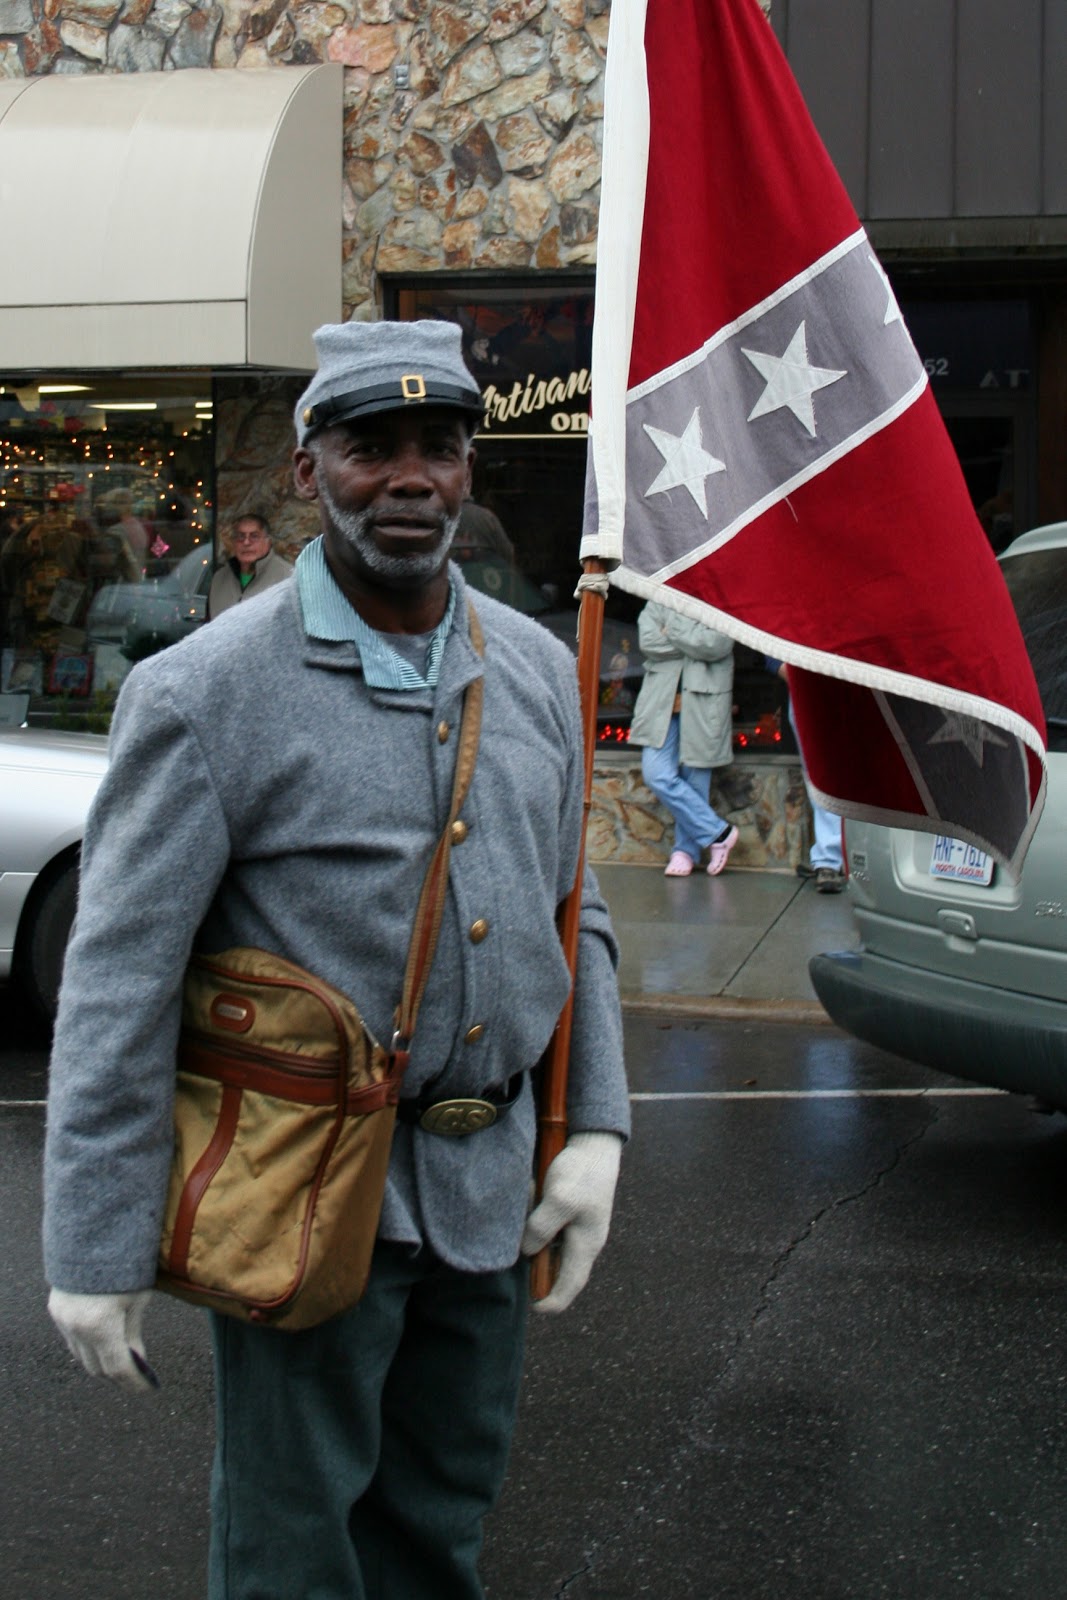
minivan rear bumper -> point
(994, 1036)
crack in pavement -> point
(574, 1577)
(692, 1442)
(764, 936)
(783, 1259)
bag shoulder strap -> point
(431, 904)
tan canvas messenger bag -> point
(283, 1116)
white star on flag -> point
(791, 381)
(892, 310)
(685, 461)
(968, 731)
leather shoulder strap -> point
(432, 899)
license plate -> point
(951, 858)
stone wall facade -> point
(472, 130)
(253, 459)
(765, 800)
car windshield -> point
(1037, 581)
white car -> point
(47, 783)
(960, 968)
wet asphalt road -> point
(821, 1358)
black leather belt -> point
(453, 1118)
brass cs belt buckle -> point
(456, 1117)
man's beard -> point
(355, 528)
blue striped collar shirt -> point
(328, 615)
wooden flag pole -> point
(552, 1118)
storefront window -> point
(106, 526)
(530, 349)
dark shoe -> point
(829, 881)
(804, 871)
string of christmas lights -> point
(29, 470)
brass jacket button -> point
(472, 1035)
(459, 831)
(478, 930)
(442, 732)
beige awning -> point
(185, 218)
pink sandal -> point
(679, 866)
(720, 853)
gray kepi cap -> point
(365, 367)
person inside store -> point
(358, 1457)
(481, 535)
(12, 537)
(254, 566)
(683, 717)
(116, 546)
(116, 511)
(44, 571)
(12, 522)
(825, 866)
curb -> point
(724, 1008)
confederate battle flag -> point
(765, 452)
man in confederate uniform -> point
(279, 780)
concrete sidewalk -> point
(732, 946)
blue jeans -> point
(684, 791)
(826, 851)
(356, 1460)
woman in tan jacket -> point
(683, 717)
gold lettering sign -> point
(560, 402)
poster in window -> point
(22, 670)
(70, 675)
(66, 598)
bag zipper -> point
(290, 1060)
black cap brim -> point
(412, 391)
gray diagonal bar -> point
(844, 310)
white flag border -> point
(622, 205)
(880, 680)
(886, 817)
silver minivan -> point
(960, 968)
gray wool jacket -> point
(259, 793)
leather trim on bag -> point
(308, 1084)
(233, 1012)
(311, 1086)
(218, 1148)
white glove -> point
(578, 1194)
(103, 1332)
